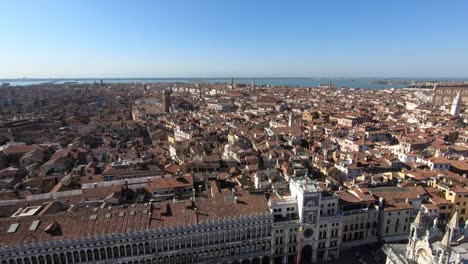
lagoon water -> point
(302, 82)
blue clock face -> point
(308, 233)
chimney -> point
(211, 190)
(126, 184)
(381, 202)
(150, 185)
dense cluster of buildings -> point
(216, 173)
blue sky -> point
(241, 38)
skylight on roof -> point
(34, 225)
(93, 217)
(108, 215)
(13, 228)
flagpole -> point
(299, 246)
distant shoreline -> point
(358, 82)
(239, 78)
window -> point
(34, 225)
(13, 228)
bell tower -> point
(456, 105)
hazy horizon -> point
(236, 77)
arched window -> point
(176, 243)
(128, 250)
(109, 252)
(96, 254)
(141, 249)
(122, 251)
(55, 258)
(76, 256)
(171, 244)
(63, 259)
(147, 247)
